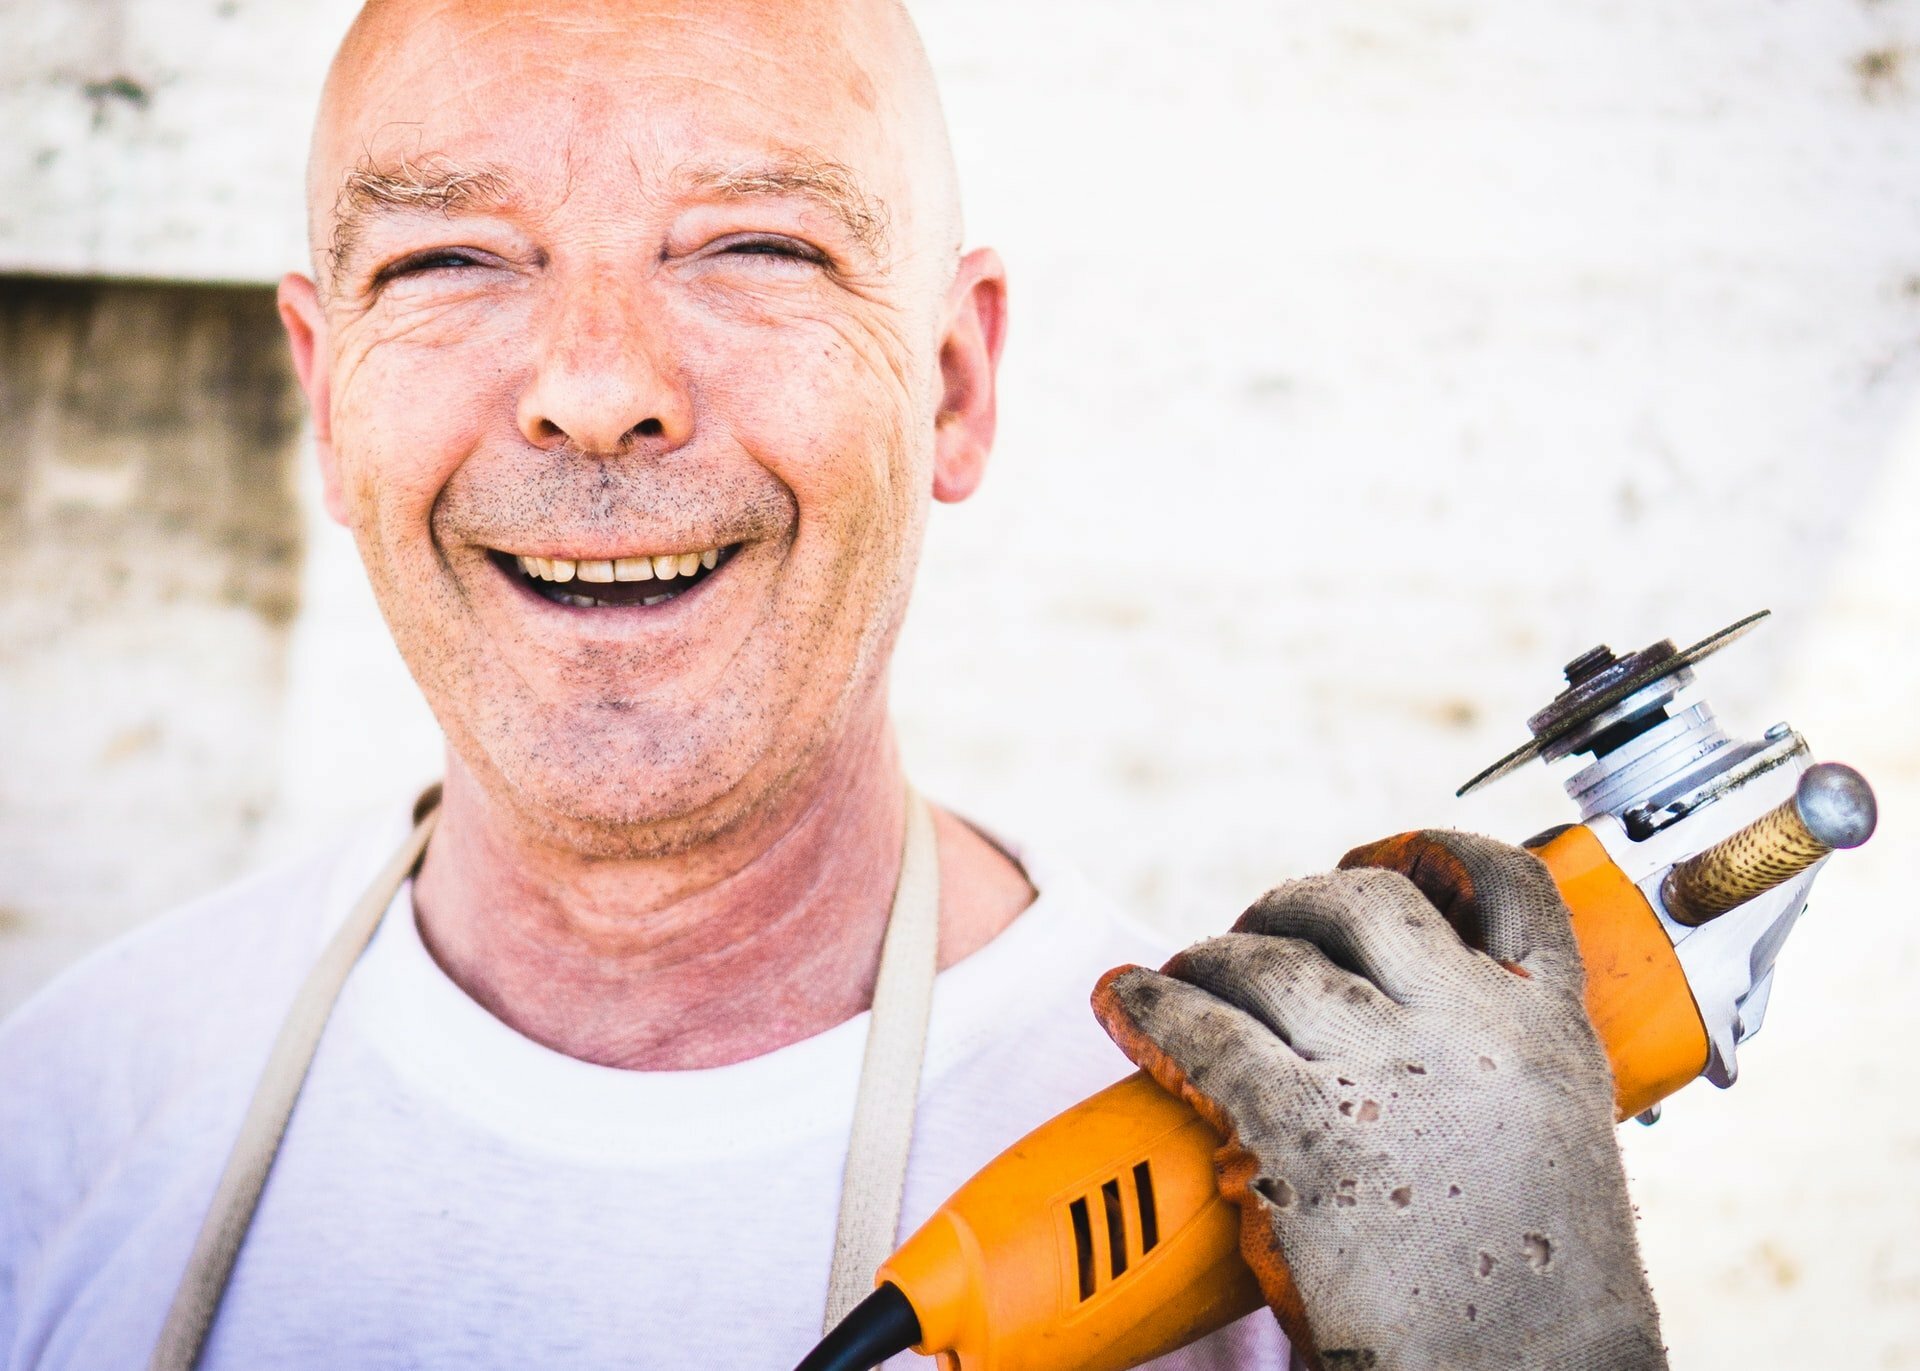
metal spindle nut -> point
(1832, 807)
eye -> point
(421, 263)
(767, 245)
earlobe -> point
(306, 324)
(969, 365)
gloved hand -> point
(1420, 1134)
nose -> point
(604, 380)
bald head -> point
(442, 105)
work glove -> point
(1419, 1118)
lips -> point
(614, 582)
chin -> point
(650, 778)
(624, 796)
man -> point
(637, 344)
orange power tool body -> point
(1100, 1240)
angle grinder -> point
(1100, 1240)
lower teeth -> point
(588, 602)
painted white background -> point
(1368, 362)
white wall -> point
(159, 138)
(1368, 363)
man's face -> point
(652, 298)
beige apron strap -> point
(238, 1194)
(876, 1173)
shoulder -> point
(1046, 960)
(1098, 917)
(1012, 1037)
(1074, 929)
(185, 997)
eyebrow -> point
(435, 185)
(439, 185)
(831, 185)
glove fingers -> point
(1168, 1028)
(1292, 987)
(1500, 898)
(1193, 1043)
(1375, 924)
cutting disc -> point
(1589, 700)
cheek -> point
(836, 416)
(407, 411)
(848, 444)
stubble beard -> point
(703, 792)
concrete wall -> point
(159, 138)
(1367, 363)
(149, 572)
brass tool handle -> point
(1832, 807)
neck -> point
(754, 940)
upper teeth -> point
(664, 567)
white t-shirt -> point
(453, 1195)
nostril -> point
(649, 428)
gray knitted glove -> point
(1419, 1134)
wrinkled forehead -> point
(587, 99)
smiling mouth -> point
(618, 582)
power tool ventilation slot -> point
(1081, 1212)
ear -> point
(976, 325)
(306, 325)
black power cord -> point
(876, 1328)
